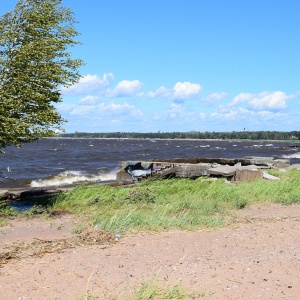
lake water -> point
(62, 161)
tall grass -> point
(158, 204)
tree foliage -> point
(35, 63)
(232, 135)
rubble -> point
(248, 168)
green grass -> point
(151, 290)
(6, 211)
(158, 204)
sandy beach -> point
(257, 258)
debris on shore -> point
(248, 168)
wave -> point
(294, 155)
(72, 177)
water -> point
(61, 161)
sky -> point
(193, 65)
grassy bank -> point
(158, 204)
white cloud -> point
(269, 115)
(184, 90)
(82, 110)
(105, 110)
(125, 88)
(242, 97)
(215, 97)
(88, 100)
(89, 84)
(178, 111)
(161, 92)
(247, 116)
(269, 101)
(180, 91)
(229, 113)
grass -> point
(151, 289)
(6, 211)
(158, 204)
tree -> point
(34, 65)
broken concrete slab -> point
(281, 163)
(124, 176)
(268, 161)
(196, 167)
(225, 171)
(269, 176)
(192, 171)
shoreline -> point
(175, 139)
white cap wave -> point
(72, 177)
(294, 155)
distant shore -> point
(174, 139)
(192, 135)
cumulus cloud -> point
(242, 97)
(215, 97)
(89, 84)
(225, 113)
(271, 101)
(184, 90)
(161, 92)
(180, 91)
(88, 100)
(125, 88)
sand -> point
(256, 258)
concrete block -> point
(124, 176)
(225, 171)
(281, 163)
(245, 174)
(192, 171)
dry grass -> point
(38, 248)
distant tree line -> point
(232, 135)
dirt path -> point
(258, 259)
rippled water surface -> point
(61, 161)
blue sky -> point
(173, 65)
